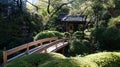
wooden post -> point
(45, 50)
(27, 51)
(4, 56)
(63, 42)
(50, 41)
(41, 43)
(63, 48)
(56, 45)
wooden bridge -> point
(52, 44)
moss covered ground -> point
(102, 59)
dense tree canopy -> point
(46, 11)
(18, 26)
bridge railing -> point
(27, 49)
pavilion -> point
(70, 23)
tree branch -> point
(37, 8)
(56, 10)
(48, 7)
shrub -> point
(78, 47)
(67, 35)
(78, 35)
(23, 30)
(115, 22)
(57, 34)
(98, 33)
(43, 35)
(108, 38)
(19, 63)
(1, 53)
(47, 34)
(36, 59)
(69, 62)
(111, 39)
(105, 59)
(86, 42)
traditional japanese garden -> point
(90, 28)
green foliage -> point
(43, 35)
(34, 60)
(49, 17)
(117, 6)
(109, 4)
(67, 35)
(108, 38)
(19, 63)
(98, 33)
(105, 59)
(112, 39)
(18, 29)
(78, 35)
(115, 22)
(1, 56)
(78, 47)
(69, 62)
(47, 34)
(57, 34)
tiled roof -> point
(79, 18)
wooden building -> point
(71, 23)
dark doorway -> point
(76, 27)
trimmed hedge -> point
(34, 60)
(108, 38)
(78, 47)
(47, 34)
(57, 34)
(105, 59)
(69, 62)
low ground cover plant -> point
(34, 60)
(102, 59)
(69, 62)
(105, 59)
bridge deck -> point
(53, 46)
(59, 46)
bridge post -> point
(56, 45)
(27, 51)
(4, 56)
(40, 44)
(63, 52)
(45, 50)
(50, 41)
(63, 48)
